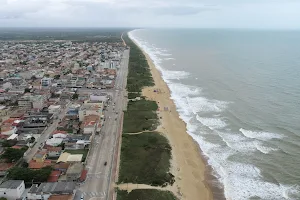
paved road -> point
(99, 178)
(45, 135)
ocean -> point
(239, 93)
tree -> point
(33, 78)
(27, 90)
(9, 143)
(57, 76)
(46, 75)
(29, 175)
(31, 140)
(3, 198)
(75, 96)
(12, 155)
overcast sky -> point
(282, 14)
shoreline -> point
(187, 164)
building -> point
(12, 189)
(45, 190)
(74, 172)
(8, 130)
(61, 197)
(31, 101)
(38, 165)
(53, 152)
(90, 109)
(46, 82)
(69, 158)
(53, 109)
(40, 156)
(99, 97)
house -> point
(59, 134)
(53, 177)
(12, 189)
(38, 165)
(54, 142)
(90, 109)
(8, 130)
(74, 172)
(40, 156)
(45, 190)
(62, 167)
(53, 151)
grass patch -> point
(139, 74)
(132, 95)
(145, 195)
(140, 115)
(78, 151)
(145, 158)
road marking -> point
(94, 194)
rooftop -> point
(11, 184)
(53, 188)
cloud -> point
(183, 10)
(151, 13)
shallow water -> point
(239, 93)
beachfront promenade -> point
(102, 159)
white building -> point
(45, 82)
(53, 109)
(12, 189)
(99, 98)
(30, 101)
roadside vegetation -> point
(29, 175)
(145, 159)
(139, 74)
(13, 155)
(145, 195)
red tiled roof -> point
(61, 197)
(83, 175)
(4, 136)
(9, 121)
(53, 177)
(5, 166)
(38, 165)
(16, 147)
(50, 148)
(57, 131)
(61, 166)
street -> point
(101, 159)
(45, 135)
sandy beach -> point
(187, 164)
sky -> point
(261, 14)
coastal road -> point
(45, 135)
(101, 159)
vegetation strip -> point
(145, 158)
